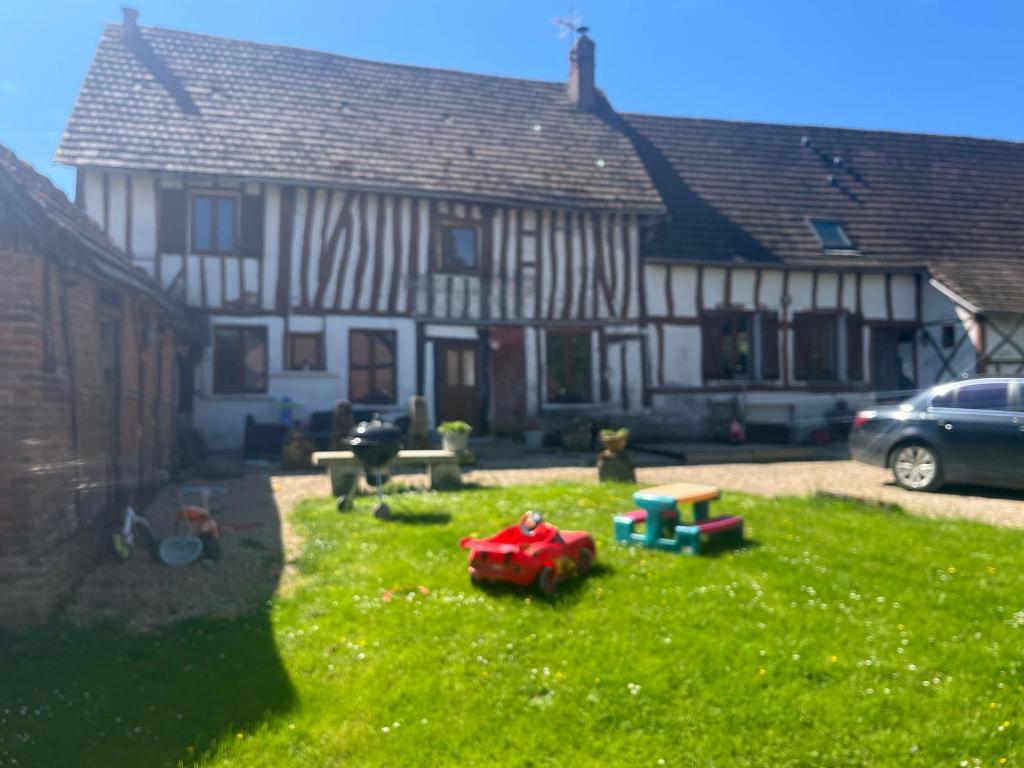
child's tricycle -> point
(531, 551)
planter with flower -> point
(454, 435)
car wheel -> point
(915, 466)
(586, 562)
(547, 582)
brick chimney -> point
(130, 23)
(582, 91)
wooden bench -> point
(344, 468)
(659, 512)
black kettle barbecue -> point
(375, 443)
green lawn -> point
(841, 636)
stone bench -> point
(344, 468)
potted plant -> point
(454, 435)
(533, 435)
(614, 440)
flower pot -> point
(533, 438)
(615, 442)
(454, 441)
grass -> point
(842, 635)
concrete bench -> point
(344, 468)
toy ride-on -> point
(531, 552)
(664, 527)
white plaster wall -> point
(143, 217)
(684, 291)
(801, 295)
(221, 418)
(118, 224)
(850, 292)
(656, 276)
(682, 356)
(1003, 357)
(904, 304)
(828, 290)
(742, 289)
(93, 193)
(937, 310)
(714, 287)
(873, 300)
(771, 289)
(170, 264)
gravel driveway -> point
(799, 478)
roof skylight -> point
(830, 234)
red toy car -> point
(531, 551)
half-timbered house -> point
(516, 249)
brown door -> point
(457, 372)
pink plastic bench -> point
(720, 524)
(640, 515)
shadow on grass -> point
(132, 684)
(396, 487)
(425, 518)
(570, 587)
(714, 549)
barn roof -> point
(744, 192)
(166, 100)
(33, 210)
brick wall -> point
(508, 380)
(58, 501)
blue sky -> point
(942, 66)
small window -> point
(459, 248)
(948, 336)
(214, 224)
(830, 234)
(240, 359)
(984, 396)
(727, 343)
(371, 377)
(568, 366)
(305, 352)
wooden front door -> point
(457, 369)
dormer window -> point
(830, 234)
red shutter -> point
(770, 346)
(712, 353)
(252, 225)
(801, 346)
(172, 222)
(854, 348)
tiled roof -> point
(33, 210)
(742, 192)
(176, 101)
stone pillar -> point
(418, 423)
(615, 467)
(341, 425)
